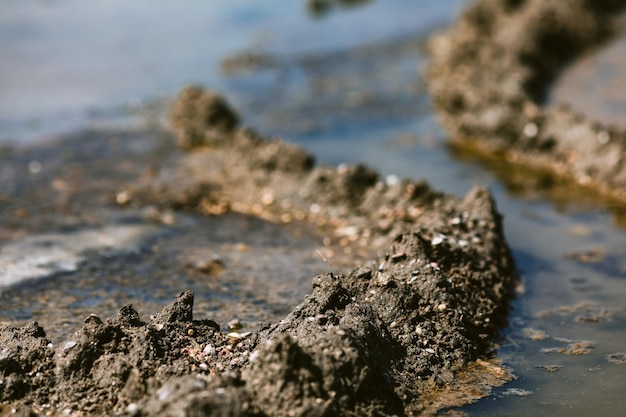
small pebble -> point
(234, 324)
(69, 345)
(132, 409)
(531, 130)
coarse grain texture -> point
(491, 71)
(407, 330)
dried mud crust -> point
(490, 72)
(405, 332)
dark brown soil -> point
(406, 331)
(491, 71)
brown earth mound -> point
(491, 71)
(406, 331)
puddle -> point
(346, 86)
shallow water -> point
(347, 87)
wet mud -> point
(417, 289)
(490, 75)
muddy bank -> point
(405, 331)
(491, 71)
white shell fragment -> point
(69, 345)
(437, 240)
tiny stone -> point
(132, 409)
(397, 257)
(392, 180)
(531, 130)
(69, 345)
(209, 350)
(437, 240)
(384, 279)
(123, 197)
(234, 324)
(364, 272)
(604, 137)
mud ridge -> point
(490, 73)
(407, 330)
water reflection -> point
(526, 183)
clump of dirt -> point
(242, 171)
(406, 331)
(491, 71)
(198, 117)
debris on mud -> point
(585, 312)
(406, 331)
(516, 392)
(589, 256)
(535, 334)
(618, 358)
(573, 347)
(549, 368)
(490, 74)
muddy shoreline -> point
(489, 75)
(417, 283)
(407, 330)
